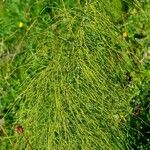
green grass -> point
(69, 77)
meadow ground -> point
(74, 75)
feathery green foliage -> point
(64, 75)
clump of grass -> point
(69, 79)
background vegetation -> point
(74, 74)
